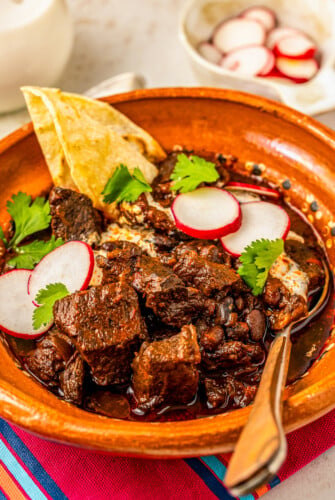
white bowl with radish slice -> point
(16, 306)
(260, 219)
(227, 25)
(71, 264)
(207, 213)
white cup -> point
(35, 45)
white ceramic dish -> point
(315, 17)
(35, 45)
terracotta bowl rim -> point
(165, 439)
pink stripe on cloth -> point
(83, 474)
(307, 443)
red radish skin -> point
(249, 61)
(295, 47)
(71, 264)
(242, 186)
(278, 33)
(207, 213)
(260, 219)
(263, 15)
(238, 32)
(16, 307)
(297, 70)
(209, 52)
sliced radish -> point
(251, 188)
(16, 307)
(260, 219)
(278, 33)
(238, 32)
(297, 70)
(295, 47)
(71, 264)
(209, 52)
(250, 61)
(244, 196)
(263, 15)
(207, 213)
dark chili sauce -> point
(308, 340)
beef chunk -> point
(209, 277)
(165, 293)
(228, 391)
(73, 216)
(165, 371)
(106, 326)
(147, 215)
(273, 291)
(232, 352)
(206, 249)
(49, 358)
(72, 379)
(308, 260)
(108, 403)
(292, 308)
(120, 261)
(238, 331)
(210, 338)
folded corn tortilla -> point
(84, 141)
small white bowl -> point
(35, 45)
(315, 17)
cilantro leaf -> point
(46, 297)
(188, 173)
(28, 217)
(257, 260)
(29, 255)
(124, 186)
(3, 237)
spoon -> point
(262, 448)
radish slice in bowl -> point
(260, 219)
(238, 32)
(251, 188)
(278, 33)
(71, 264)
(250, 61)
(263, 15)
(297, 70)
(209, 52)
(207, 213)
(295, 47)
(244, 196)
(16, 307)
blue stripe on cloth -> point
(220, 471)
(274, 481)
(31, 462)
(2, 495)
(209, 479)
(21, 476)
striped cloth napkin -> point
(33, 468)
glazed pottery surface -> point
(288, 146)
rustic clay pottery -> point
(288, 146)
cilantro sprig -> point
(124, 186)
(29, 218)
(191, 171)
(257, 260)
(46, 298)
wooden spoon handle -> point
(262, 444)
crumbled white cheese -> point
(289, 273)
(143, 238)
(291, 235)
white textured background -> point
(116, 36)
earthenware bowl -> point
(287, 146)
